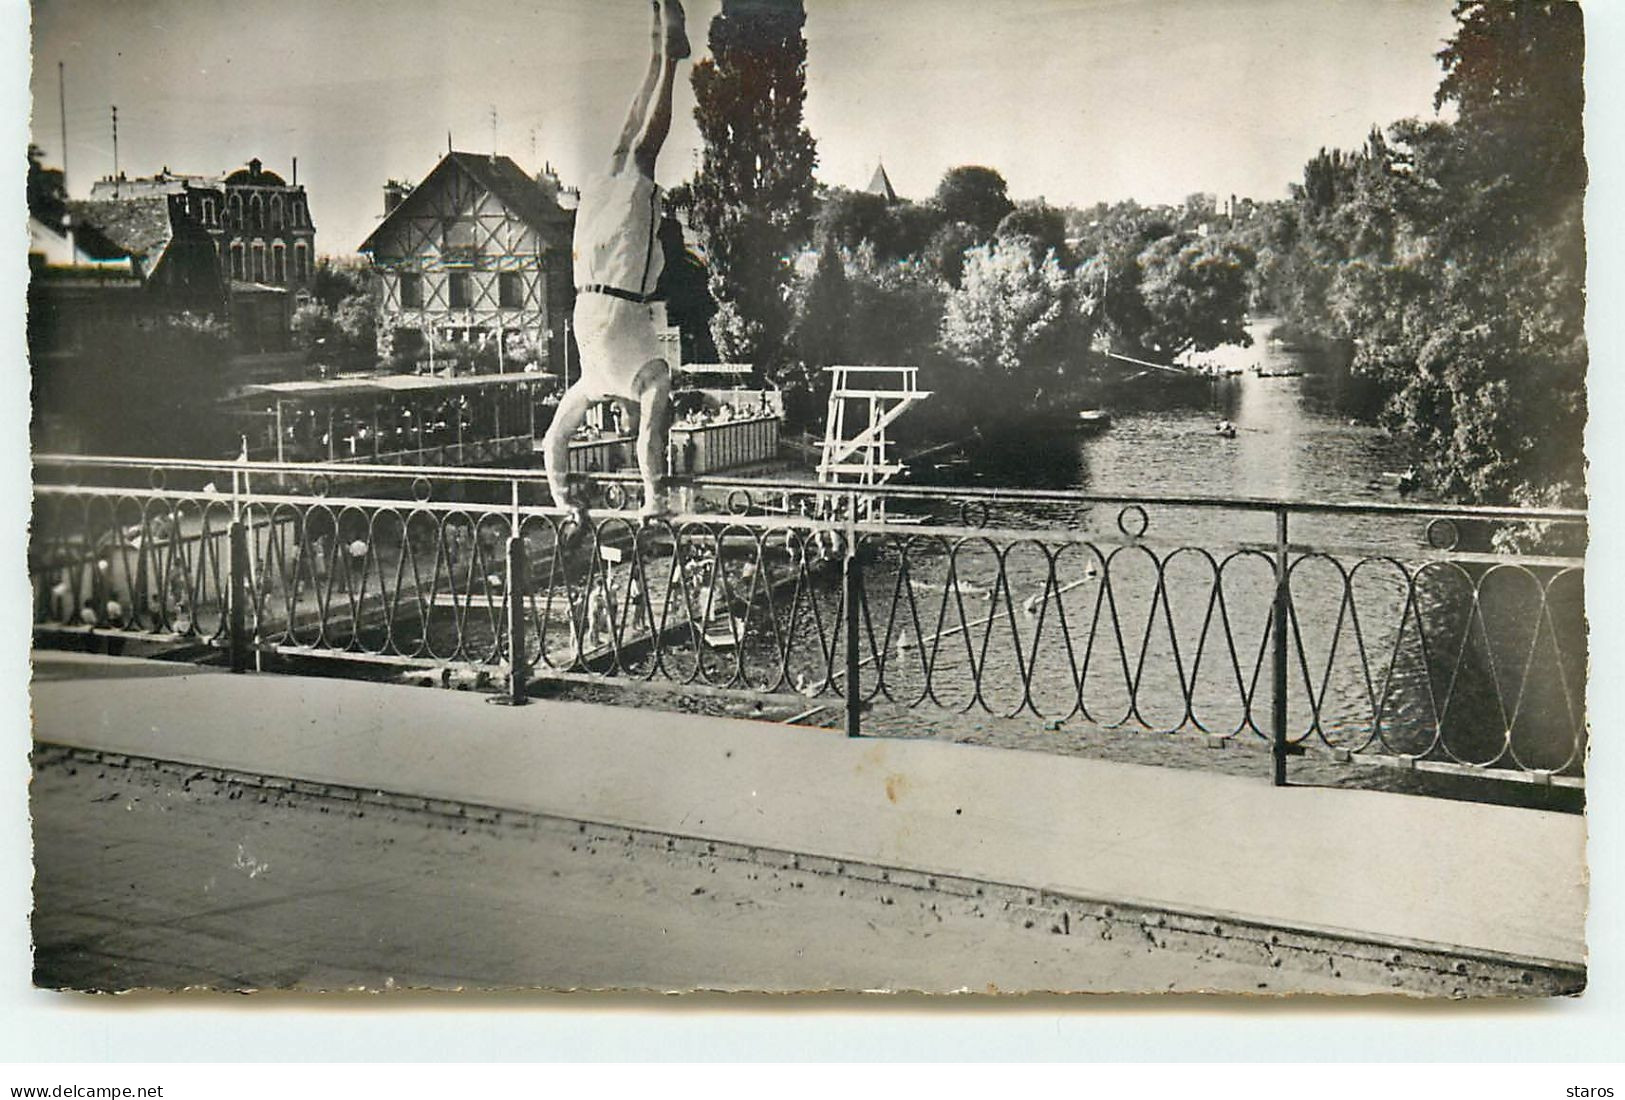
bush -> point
(148, 387)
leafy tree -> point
(344, 336)
(1015, 317)
(139, 386)
(897, 311)
(1451, 256)
(313, 329)
(1200, 206)
(1111, 243)
(1044, 227)
(1195, 294)
(976, 196)
(47, 189)
(821, 329)
(945, 252)
(853, 218)
(1515, 75)
(357, 324)
(335, 280)
(753, 196)
(913, 226)
(897, 231)
(680, 199)
(821, 336)
(853, 307)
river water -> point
(1309, 437)
(1171, 632)
(1309, 434)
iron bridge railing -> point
(1430, 637)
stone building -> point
(267, 236)
(477, 253)
(264, 245)
(259, 222)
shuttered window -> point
(510, 290)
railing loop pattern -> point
(1361, 639)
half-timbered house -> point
(478, 252)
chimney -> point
(394, 193)
(295, 182)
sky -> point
(1074, 101)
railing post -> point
(518, 664)
(852, 589)
(1278, 731)
(238, 593)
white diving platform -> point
(863, 403)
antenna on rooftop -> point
(62, 109)
(493, 131)
(115, 151)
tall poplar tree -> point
(753, 196)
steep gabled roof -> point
(530, 201)
(115, 229)
(881, 184)
(508, 182)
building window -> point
(235, 204)
(411, 290)
(458, 233)
(301, 262)
(259, 262)
(457, 287)
(208, 211)
(237, 271)
(256, 214)
(457, 241)
(279, 271)
(510, 290)
(276, 212)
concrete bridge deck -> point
(1387, 868)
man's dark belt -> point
(616, 292)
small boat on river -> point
(1093, 420)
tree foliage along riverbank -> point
(1451, 256)
(999, 303)
(1448, 255)
(969, 286)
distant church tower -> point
(881, 185)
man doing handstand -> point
(618, 259)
